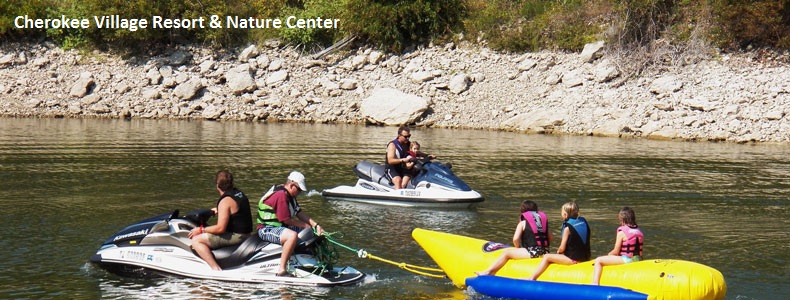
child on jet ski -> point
(414, 154)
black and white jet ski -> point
(435, 185)
(160, 246)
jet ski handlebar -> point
(200, 216)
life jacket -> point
(578, 244)
(240, 222)
(537, 231)
(399, 151)
(633, 241)
(267, 214)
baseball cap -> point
(299, 179)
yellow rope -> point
(411, 268)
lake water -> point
(69, 184)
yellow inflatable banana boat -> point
(460, 256)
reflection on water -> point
(183, 288)
(70, 184)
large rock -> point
(188, 89)
(605, 71)
(82, 86)
(666, 85)
(537, 121)
(277, 77)
(459, 83)
(393, 107)
(240, 79)
(6, 59)
(592, 51)
(178, 58)
(248, 53)
(213, 112)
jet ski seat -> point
(236, 255)
(372, 172)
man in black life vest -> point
(234, 221)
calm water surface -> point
(70, 184)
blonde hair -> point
(571, 210)
(414, 144)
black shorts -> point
(396, 170)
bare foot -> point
(482, 273)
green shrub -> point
(754, 23)
(639, 22)
(10, 9)
(575, 24)
(395, 25)
(312, 9)
(508, 25)
(533, 25)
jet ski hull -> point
(421, 196)
(159, 246)
(435, 185)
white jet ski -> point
(160, 246)
(435, 185)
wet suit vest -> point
(240, 222)
(266, 213)
(632, 245)
(536, 232)
(399, 152)
(578, 245)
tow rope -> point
(408, 267)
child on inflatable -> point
(627, 244)
(575, 244)
(531, 238)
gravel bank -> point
(734, 98)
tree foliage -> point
(510, 25)
(398, 24)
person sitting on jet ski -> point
(280, 219)
(234, 221)
(397, 156)
(414, 154)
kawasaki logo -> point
(131, 234)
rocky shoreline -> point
(733, 98)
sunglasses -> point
(406, 136)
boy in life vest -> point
(575, 244)
(531, 238)
(627, 244)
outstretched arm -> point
(310, 222)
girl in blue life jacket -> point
(575, 244)
(531, 239)
(627, 244)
